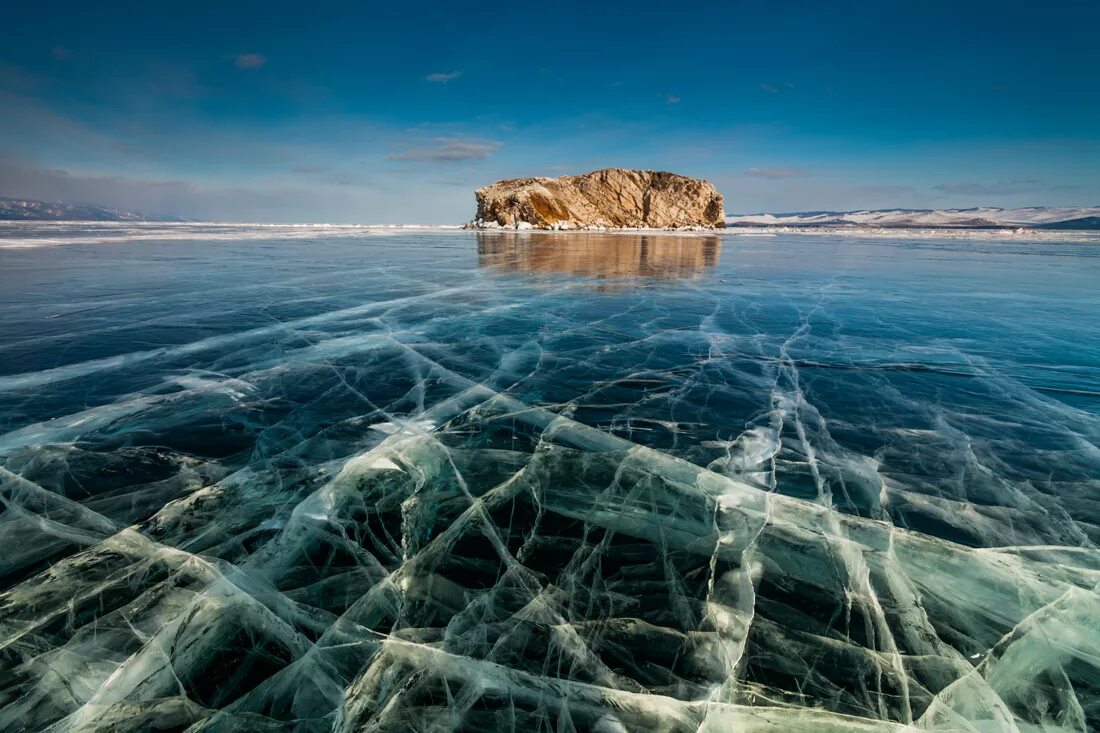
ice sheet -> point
(478, 482)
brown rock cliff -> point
(611, 198)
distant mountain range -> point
(30, 210)
(1034, 217)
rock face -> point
(612, 198)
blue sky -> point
(394, 112)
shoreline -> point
(37, 234)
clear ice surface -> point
(337, 479)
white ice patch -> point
(413, 427)
(35, 234)
(747, 456)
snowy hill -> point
(30, 210)
(978, 218)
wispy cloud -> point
(333, 177)
(776, 89)
(328, 199)
(1001, 188)
(250, 61)
(443, 78)
(24, 179)
(775, 173)
(672, 99)
(887, 189)
(27, 117)
(345, 179)
(60, 53)
(450, 150)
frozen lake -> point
(317, 478)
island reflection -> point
(600, 255)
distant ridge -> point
(1085, 222)
(1041, 217)
(31, 210)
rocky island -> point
(613, 198)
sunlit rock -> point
(609, 198)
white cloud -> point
(441, 78)
(449, 150)
(250, 60)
